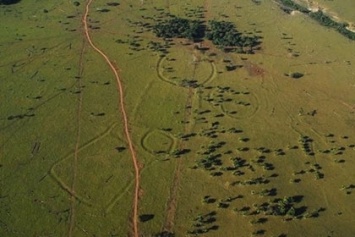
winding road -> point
(124, 117)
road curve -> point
(124, 116)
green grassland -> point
(243, 152)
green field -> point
(243, 152)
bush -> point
(296, 75)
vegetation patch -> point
(224, 34)
(288, 6)
(9, 2)
(177, 27)
(325, 20)
(295, 75)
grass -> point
(39, 124)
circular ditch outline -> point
(159, 69)
(172, 146)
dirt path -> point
(173, 198)
(174, 190)
(124, 117)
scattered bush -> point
(296, 75)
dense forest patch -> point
(177, 27)
(223, 34)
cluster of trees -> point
(225, 34)
(221, 33)
(177, 27)
(306, 143)
(294, 6)
(203, 224)
(276, 207)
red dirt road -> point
(124, 117)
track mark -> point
(174, 191)
(77, 143)
(61, 183)
(175, 82)
(168, 146)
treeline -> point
(322, 18)
(294, 6)
(325, 20)
(222, 34)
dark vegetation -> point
(165, 234)
(289, 5)
(327, 21)
(306, 143)
(225, 35)
(204, 224)
(177, 27)
(295, 75)
(146, 217)
(9, 2)
(21, 116)
(112, 4)
(222, 34)
(319, 16)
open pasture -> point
(228, 144)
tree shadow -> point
(146, 217)
(300, 210)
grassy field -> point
(247, 152)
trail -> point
(124, 116)
(173, 197)
(77, 144)
(174, 191)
